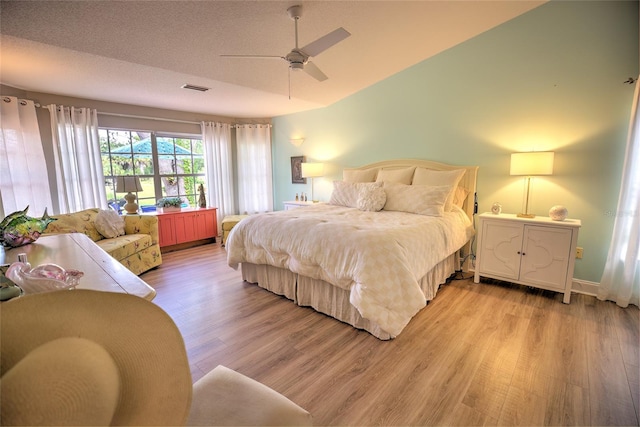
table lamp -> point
(312, 170)
(127, 184)
(530, 164)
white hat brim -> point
(142, 339)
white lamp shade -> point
(312, 170)
(534, 163)
(126, 184)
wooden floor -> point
(486, 354)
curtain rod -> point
(38, 105)
(35, 103)
(173, 120)
(149, 118)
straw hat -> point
(89, 357)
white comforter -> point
(378, 256)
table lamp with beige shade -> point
(129, 184)
(529, 165)
(312, 170)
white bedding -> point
(378, 256)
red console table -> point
(187, 227)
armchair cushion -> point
(226, 397)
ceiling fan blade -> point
(254, 56)
(311, 69)
(325, 42)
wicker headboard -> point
(468, 181)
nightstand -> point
(537, 252)
(296, 204)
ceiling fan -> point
(298, 58)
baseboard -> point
(585, 287)
(578, 286)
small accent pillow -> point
(347, 193)
(452, 178)
(399, 176)
(372, 199)
(418, 199)
(367, 175)
(109, 223)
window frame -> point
(189, 196)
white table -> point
(537, 252)
(77, 251)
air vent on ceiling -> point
(194, 87)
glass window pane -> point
(170, 186)
(141, 143)
(143, 164)
(197, 146)
(198, 165)
(184, 164)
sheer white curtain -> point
(76, 149)
(255, 187)
(621, 279)
(219, 166)
(23, 171)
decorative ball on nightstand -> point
(558, 213)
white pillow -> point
(109, 223)
(418, 199)
(367, 175)
(452, 178)
(399, 176)
(371, 199)
(460, 195)
(347, 193)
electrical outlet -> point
(579, 252)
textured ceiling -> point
(141, 52)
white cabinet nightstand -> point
(295, 205)
(536, 252)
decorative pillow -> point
(399, 176)
(371, 199)
(452, 178)
(347, 193)
(367, 175)
(418, 199)
(109, 223)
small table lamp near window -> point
(529, 165)
(312, 170)
(127, 184)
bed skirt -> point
(331, 300)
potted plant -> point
(168, 204)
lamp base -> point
(526, 215)
(131, 206)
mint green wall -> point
(551, 79)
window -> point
(167, 165)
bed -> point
(371, 268)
